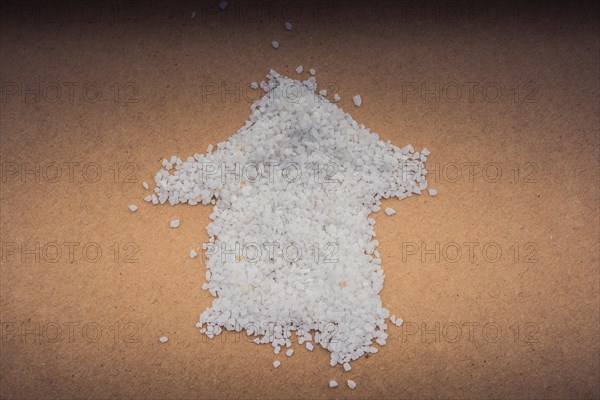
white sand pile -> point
(292, 246)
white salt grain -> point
(174, 223)
(145, 185)
(193, 253)
(357, 101)
(406, 150)
(194, 14)
(288, 26)
(312, 71)
(332, 384)
(133, 208)
(223, 5)
(275, 44)
(399, 321)
(432, 192)
(276, 364)
(299, 69)
(289, 352)
(254, 85)
(164, 339)
(323, 92)
(390, 211)
(336, 97)
(351, 384)
(309, 346)
(347, 367)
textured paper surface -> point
(496, 277)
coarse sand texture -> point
(292, 191)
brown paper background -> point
(535, 325)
